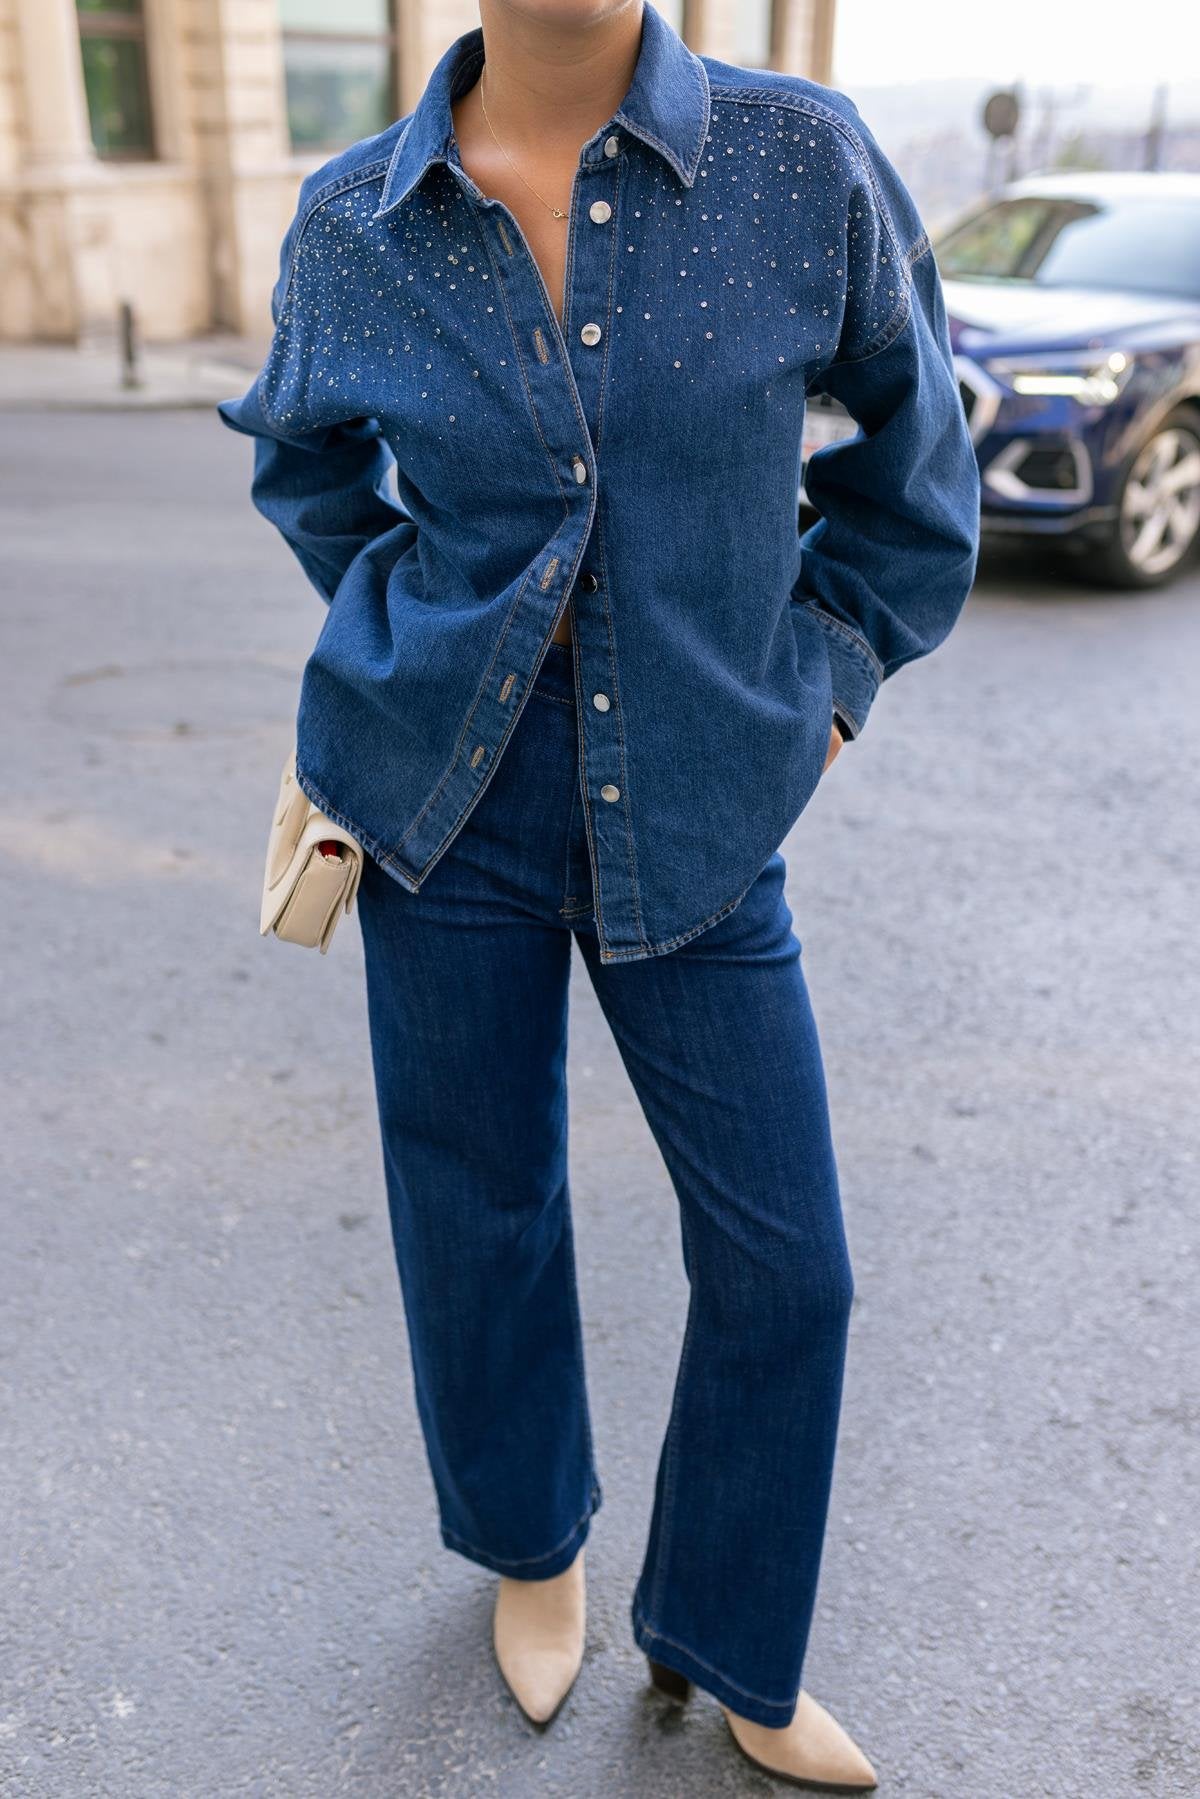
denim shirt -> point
(450, 466)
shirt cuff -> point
(855, 668)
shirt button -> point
(609, 792)
(601, 702)
(590, 334)
(580, 467)
(611, 146)
(599, 212)
(587, 582)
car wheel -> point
(1158, 509)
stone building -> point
(151, 150)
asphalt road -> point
(221, 1569)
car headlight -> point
(1093, 377)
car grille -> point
(1027, 470)
(1049, 469)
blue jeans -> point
(467, 1001)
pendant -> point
(559, 213)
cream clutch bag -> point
(313, 869)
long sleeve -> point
(323, 482)
(887, 566)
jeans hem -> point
(530, 1567)
(773, 1712)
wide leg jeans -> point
(467, 1001)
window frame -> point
(389, 37)
(133, 26)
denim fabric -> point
(452, 469)
(467, 994)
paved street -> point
(221, 1569)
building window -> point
(112, 37)
(339, 59)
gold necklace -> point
(556, 210)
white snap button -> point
(601, 702)
(580, 467)
(599, 212)
(609, 792)
(590, 334)
(611, 146)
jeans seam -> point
(526, 1561)
(658, 949)
(666, 1530)
(573, 1296)
(661, 1637)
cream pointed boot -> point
(538, 1633)
(813, 1751)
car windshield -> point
(1147, 245)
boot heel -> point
(670, 1681)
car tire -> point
(1118, 560)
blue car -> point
(1074, 311)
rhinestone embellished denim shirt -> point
(450, 467)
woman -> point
(577, 685)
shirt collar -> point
(666, 106)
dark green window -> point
(112, 38)
(339, 59)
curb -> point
(34, 379)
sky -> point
(1061, 41)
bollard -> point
(130, 375)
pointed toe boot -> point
(538, 1635)
(812, 1752)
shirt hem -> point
(641, 952)
(608, 952)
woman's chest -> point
(690, 321)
